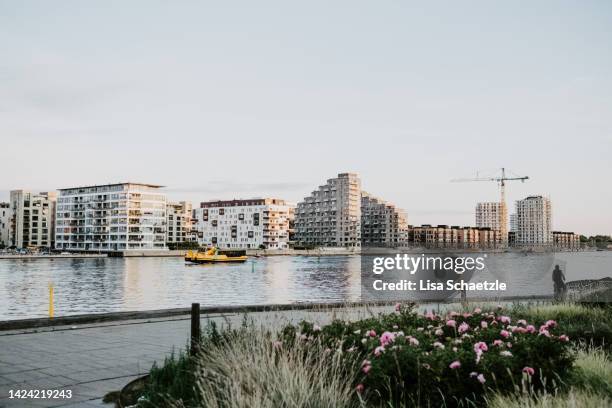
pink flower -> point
(505, 334)
(366, 368)
(398, 307)
(484, 324)
(316, 328)
(359, 388)
(497, 342)
(386, 338)
(379, 350)
(544, 332)
(463, 327)
(439, 332)
(481, 379)
(371, 333)
(522, 322)
(481, 345)
(455, 364)
(277, 344)
(477, 310)
(451, 323)
(430, 316)
(466, 315)
(413, 341)
(509, 345)
(504, 319)
(530, 328)
(453, 314)
(528, 370)
(564, 338)
(438, 345)
(551, 324)
(519, 330)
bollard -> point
(51, 301)
(195, 328)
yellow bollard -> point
(50, 301)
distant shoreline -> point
(294, 252)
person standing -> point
(559, 283)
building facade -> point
(245, 224)
(111, 218)
(493, 215)
(32, 219)
(444, 236)
(534, 221)
(331, 215)
(5, 222)
(179, 222)
(382, 223)
(566, 240)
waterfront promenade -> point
(94, 359)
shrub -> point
(573, 399)
(448, 360)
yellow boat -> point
(213, 255)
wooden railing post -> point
(195, 328)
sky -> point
(219, 100)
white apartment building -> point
(493, 215)
(179, 225)
(5, 222)
(382, 223)
(331, 215)
(245, 224)
(111, 218)
(32, 219)
(534, 221)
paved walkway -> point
(92, 360)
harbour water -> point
(128, 284)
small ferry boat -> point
(213, 255)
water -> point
(127, 284)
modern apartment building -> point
(534, 221)
(331, 215)
(566, 240)
(382, 223)
(444, 236)
(179, 222)
(111, 218)
(245, 224)
(493, 215)
(5, 222)
(32, 219)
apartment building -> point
(534, 221)
(32, 219)
(444, 236)
(5, 222)
(245, 224)
(382, 223)
(493, 215)
(111, 218)
(331, 215)
(566, 240)
(179, 222)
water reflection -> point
(122, 284)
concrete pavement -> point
(92, 360)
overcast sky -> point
(241, 99)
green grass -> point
(573, 399)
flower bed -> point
(452, 359)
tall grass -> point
(247, 370)
(574, 399)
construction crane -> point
(501, 180)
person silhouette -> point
(559, 282)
